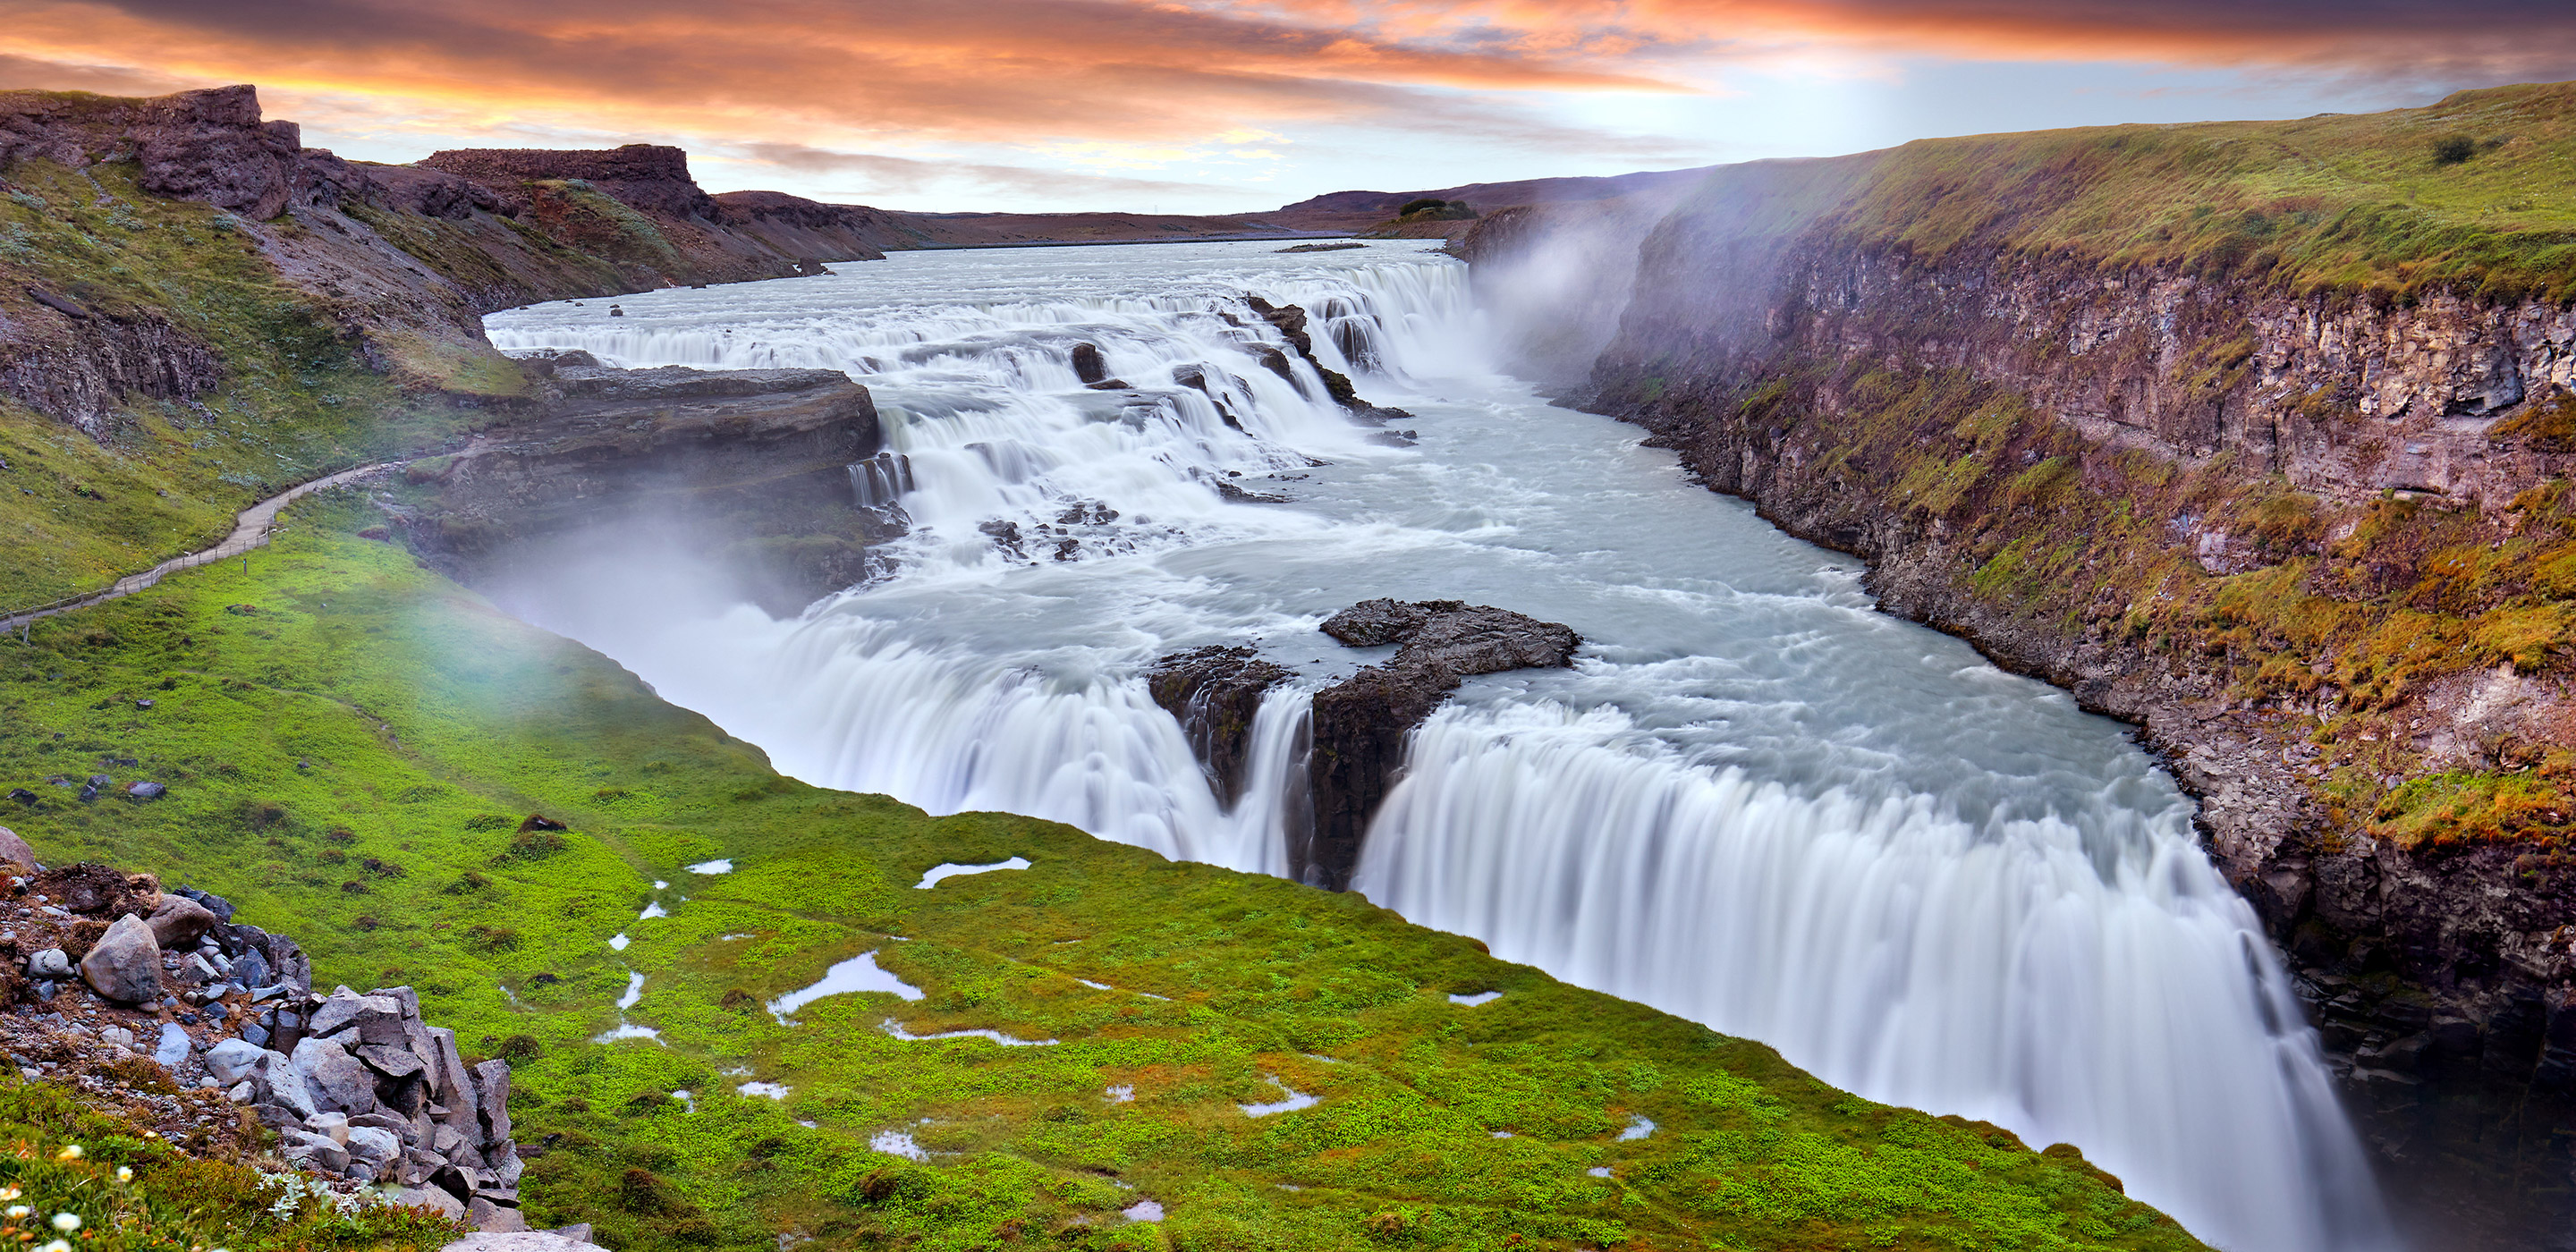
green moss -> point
(133, 1192)
(334, 700)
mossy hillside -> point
(2378, 204)
(298, 397)
(351, 742)
(133, 1192)
(2343, 625)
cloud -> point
(906, 175)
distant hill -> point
(1359, 210)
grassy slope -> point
(350, 742)
(2357, 203)
(298, 400)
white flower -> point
(58, 1245)
(19, 1210)
(125, 1173)
(67, 1222)
(72, 1153)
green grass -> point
(135, 1193)
(298, 398)
(350, 743)
(2343, 203)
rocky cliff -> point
(2254, 435)
(750, 471)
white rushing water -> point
(1754, 801)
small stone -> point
(242, 1092)
(143, 704)
(146, 791)
(256, 1033)
(52, 965)
(233, 1059)
(173, 1046)
(13, 849)
(117, 1035)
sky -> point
(1213, 106)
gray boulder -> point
(495, 1218)
(50, 965)
(125, 964)
(492, 1096)
(233, 1060)
(172, 1048)
(437, 1200)
(390, 1062)
(377, 1018)
(15, 852)
(321, 1151)
(373, 1145)
(337, 1079)
(180, 921)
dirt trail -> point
(250, 530)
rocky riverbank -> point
(162, 1007)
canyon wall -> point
(2271, 473)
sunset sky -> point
(1229, 105)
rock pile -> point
(356, 1086)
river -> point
(1754, 801)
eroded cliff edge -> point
(2256, 436)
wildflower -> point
(8, 1193)
(58, 1245)
(72, 1153)
(19, 1210)
(67, 1222)
(125, 1173)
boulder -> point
(377, 1018)
(337, 1079)
(13, 849)
(334, 1124)
(494, 1218)
(319, 1151)
(50, 965)
(1214, 692)
(146, 791)
(562, 1240)
(492, 1096)
(374, 1145)
(125, 964)
(234, 1059)
(438, 1201)
(391, 1062)
(180, 921)
(172, 1048)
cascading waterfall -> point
(1755, 802)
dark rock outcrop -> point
(750, 468)
(1215, 691)
(649, 177)
(799, 227)
(1359, 725)
(1290, 321)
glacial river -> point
(1754, 801)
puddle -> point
(774, 1090)
(1638, 1128)
(724, 866)
(1096, 986)
(659, 885)
(629, 1030)
(952, 870)
(687, 1099)
(892, 1027)
(654, 909)
(1481, 997)
(859, 973)
(723, 938)
(1123, 1093)
(1599, 1171)
(617, 943)
(897, 1143)
(1296, 1100)
(1143, 1211)
(1502, 1134)
(634, 991)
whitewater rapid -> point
(1754, 801)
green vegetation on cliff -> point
(352, 743)
(2378, 203)
(180, 293)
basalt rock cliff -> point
(2268, 459)
(749, 471)
(1353, 742)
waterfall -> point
(1755, 803)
